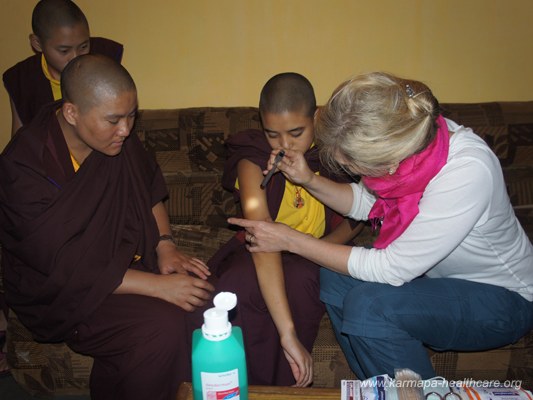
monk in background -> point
(60, 32)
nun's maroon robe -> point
(235, 270)
(68, 239)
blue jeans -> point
(382, 327)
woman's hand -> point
(300, 361)
(265, 236)
(293, 166)
(171, 260)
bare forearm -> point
(330, 255)
(268, 266)
(163, 225)
(161, 218)
(272, 285)
(343, 233)
(137, 282)
(338, 196)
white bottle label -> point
(220, 385)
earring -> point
(391, 171)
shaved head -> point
(49, 15)
(290, 92)
(91, 78)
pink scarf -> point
(400, 193)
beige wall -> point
(186, 53)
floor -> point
(10, 390)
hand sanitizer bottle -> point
(218, 359)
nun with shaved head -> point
(87, 250)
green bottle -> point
(218, 359)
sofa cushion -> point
(510, 363)
(507, 127)
(189, 146)
(521, 144)
(200, 241)
(198, 198)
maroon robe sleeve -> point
(27, 87)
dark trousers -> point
(140, 346)
(382, 327)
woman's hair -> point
(374, 121)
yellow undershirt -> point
(309, 219)
(54, 83)
(75, 163)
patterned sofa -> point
(189, 146)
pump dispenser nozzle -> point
(216, 325)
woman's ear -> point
(35, 43)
